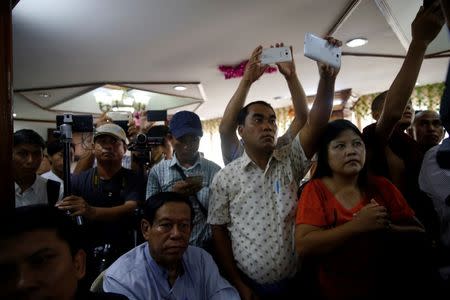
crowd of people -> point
(372, 219)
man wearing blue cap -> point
(187, 173)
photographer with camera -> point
(186, 173)
(106, 196)
(149, 144)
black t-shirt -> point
(124, 186)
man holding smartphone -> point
(253, 199)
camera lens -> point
(141, 138)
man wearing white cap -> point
(106, 196)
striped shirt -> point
(164, 175)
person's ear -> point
(145, 228)
(376, 115)
(240, 130)
(79, 263)
(411, 132)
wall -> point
(39, 127)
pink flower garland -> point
(238, 70)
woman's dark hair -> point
(332, 130)
(155, 202)
(40, 217)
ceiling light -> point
(44, 95)
(356, 42)
(337, 102)
(14, 115)
(121, 99)
(179, 88)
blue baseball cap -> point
(185, 122)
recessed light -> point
(179, 88)
(356, 42)
(14, 115)
(337, 102)
(44, 95)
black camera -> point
(80, 123)
(144, 143)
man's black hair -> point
(156, 201)
(40, 217)
(243, 113)
(158, 131)
(378, 101)
(28, 136)
(54, 147)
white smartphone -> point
(275, 55)
(319, 49)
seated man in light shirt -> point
(166, 267)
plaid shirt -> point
(164, 175)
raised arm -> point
(298, 96)
(424, 28)
(228, 124)
(323, 105)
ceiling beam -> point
(352, 5)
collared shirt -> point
(164, 175)
(258, 207)
(35, 194)
(137, 276)
(435, 181)
(52, 176)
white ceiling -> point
(72, 42)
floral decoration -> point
(235, 71)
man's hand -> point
(246, 293)
(186, 188)
(427, 24)
(254, 69)
(77, 206)
(327, 71)
(287, 68)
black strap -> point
(202, 208)
(53, 188)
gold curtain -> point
(428, 96)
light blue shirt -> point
(137, 276)
(164, 175)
